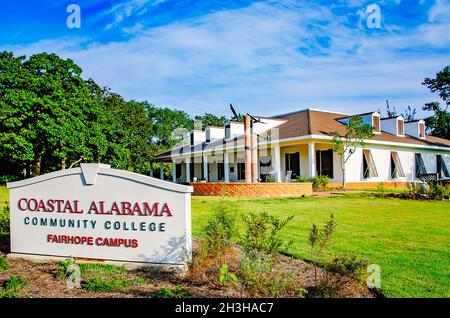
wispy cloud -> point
(267, 58)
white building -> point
(300, 144)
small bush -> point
(320, 182)
(177, 292)
(261, 280)
(220, 229)
(303, 179)
(437, 191)
(9, 178)
(3, 263)
(350, 265)
(269, 178)
(4, 220)
(262, 233)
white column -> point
(205, 167)
(226, 167)
(174, 171)
(161, 171)
(188, 169)
(312, 159)
(276, 157)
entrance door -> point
(324, 163)
(293, 164)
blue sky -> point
(265, 57)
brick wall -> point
(368, 185)
(263, 189)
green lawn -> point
(3, 196)
(410, 240)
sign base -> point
(172, 268)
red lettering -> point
(20, 205)
(149, 211)
(166, 210)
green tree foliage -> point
(210, 120)
(439, 123)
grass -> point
(410, 240)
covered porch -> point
(283, 162)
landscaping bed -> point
(44, 280)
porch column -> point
(226, 168)
(188, 169)
(312, 159)
(276, 157)
(161, 171)
(205, 167)
(174, 171)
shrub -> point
(261, 280)
(4, 220)
(220, 229)
(3, 263)
(437, 191)
(262, 233)
(350, 265)
(177, 292)
(269, 178)
(303, 179)
(320, 182)
(9, 178)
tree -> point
(439, 124)
(409, 114)
(210, 120)
(164, 122)
(356, 134)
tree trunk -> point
(343, 170)
(36, 165)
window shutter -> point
(420, 166)
(398, 165)
(370, 163)
(442, 167)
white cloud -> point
(266, 59)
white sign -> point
(101, 213)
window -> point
(220, 171)
(324, 163)
(421, 130)
(441, 167)
(376, 124)
(241, 171)
(396, 166)
(265, 164)
(292, 161)
(400, 127)
(420, 166)
(369, 169)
